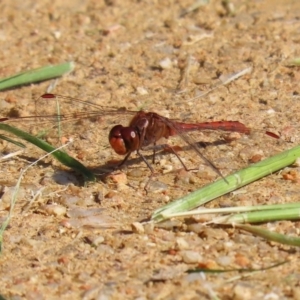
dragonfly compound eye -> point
(116, 140)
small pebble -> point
(165, 63)
(136, 172)
(141, 90)
(273, 296)
(195, 227)
(191, 257)
(243, 291)
(242, 260)
(54, 209)
(167, 168)
(56, 34)
(183, 177)
(119, 178)
(156, 186)
(137, 227)
(224, 260)
(182, 244)
(95, 240)
(201, 79)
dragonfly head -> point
(123, 139)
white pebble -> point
(243, 291)
(224, 260)
(141, 90)
(190, 257)
(165, 63)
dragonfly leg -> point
(168, 147)
(155, 148)
(154, 153)
(123, 161)
(146, 162)
(126, 158)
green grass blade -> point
(36, 75)
(5, 138)
(295, 62)
(264, 216)
(59, 155)
(272, 236)
(235, 181)
(236, 209)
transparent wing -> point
(57, 118)
(73, 116)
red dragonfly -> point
(145, 128)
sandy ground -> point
(158, 56)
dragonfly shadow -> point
(64, 177)
(161, 150)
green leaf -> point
(271, 236)
(36, 75)
(234, 181)
(5, 138)
(59, 155)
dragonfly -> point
(143, 132)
